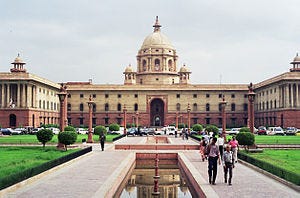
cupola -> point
(296, 64)
(18, 65)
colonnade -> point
(289, 95)
(18, 95)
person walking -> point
(183, 133)
(234, 147)
(220, 143)
(213, 159)
(203, 144)
(228, 164)
(187, 134)
(102, 141)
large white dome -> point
(157, 39)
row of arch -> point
(157, 65)
(106, 107)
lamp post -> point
(124, 115)
(90, 133)
(137, 119)
(189, 119)
(251, 97)
(176, 121)
(63, 113)
(223, 105)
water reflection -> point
(171, 184)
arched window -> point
(136, 107)
(267, 104)
(69, 107)
(40, 104)
(207, 107)
(245, 107)
(157, 64)
(177, 107)
(94, 108)
(106, 107)
(220, 107)
(119, 107)
(170, 65)
(81, 107)
(43, 104)
(195, 107)
(144, 65)
(271, 104)
(232, 107)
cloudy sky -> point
(231, 41)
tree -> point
(244, 129)
(197, 127)
(44, 136)
(245, 138)
(69, 128)
(99, 130)
(212, 128)
(67, 138)
(114, 127)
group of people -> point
(215, 150)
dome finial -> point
(156, 25)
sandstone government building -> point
(155, 93)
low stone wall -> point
(155, 147)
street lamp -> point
(124, 115)
(223, 105)
(63, 113)
(189, 119)
(90, 133)
(251, 98)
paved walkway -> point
(93, 173)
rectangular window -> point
(177, 95)
(106, 96)
(136, 96)
(220, 95)
(232, 96)
(119, 96)
(106, 120)
(81, 121)
(81, 95)
(207, 120)
(195, 96)
(207, 95)
(94, 95)
(69, 96)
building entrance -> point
(12, 120)
(157, 112)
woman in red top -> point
(234, 148)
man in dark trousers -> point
(102, 141)
(213, 158)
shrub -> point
(212, 128)
(245, 138)
(67, 138)
(245, 129)
(114, 127)
(44, 136)
(197, 127)
(99, 130)
(69, 128)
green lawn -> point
(31, 139)
(14, 159)
(286, 159)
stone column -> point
(63, 113)
(251, 97)
(23, 96)
(292, 95)
(189, 118)
(297, 95)
(176, 121)
(124, 119)
(8, 94)
(2, 96)
(137, 119)
(18, 102)
(223, 105)
(286, 98)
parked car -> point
(291, 131)
(234, 131)
(169, 130)
(18, 131)
(275, 131)
(132, 131)
(35, 130)
(5, 131)
(262, 130)
(81, 131)
(54, 130)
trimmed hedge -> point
(27, 173)
(280, 172)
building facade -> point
(157, 93)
